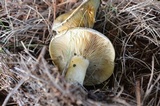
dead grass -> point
(27, 76)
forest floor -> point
(28, 77)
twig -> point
(150, 80)
(26, 50)
(13, 91)
(120, 92)
(43, 51)
(116, 99)
(138, 93)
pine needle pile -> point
(28, 77)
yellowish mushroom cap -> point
(82, 16)
(89, 44)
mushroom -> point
(82, 16)
(85, 55)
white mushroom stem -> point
(77, 70)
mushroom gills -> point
(83, 16)
(77, 69)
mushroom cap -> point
(82, 16)
(88, 43)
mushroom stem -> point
(77, 69)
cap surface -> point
(88, 43)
